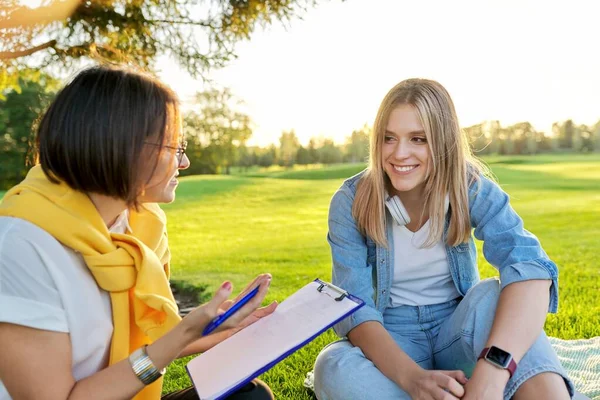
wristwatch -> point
(499, 358)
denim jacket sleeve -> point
(515, 252)
(351, 271)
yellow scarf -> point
(134, 269)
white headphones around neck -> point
(397, 210)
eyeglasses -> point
(179, 150)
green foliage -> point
(329, 153)
(267, 157)
(288, 148)
(18, 113)
(234, 227)
(200, 35)
(215, 132)
(302, 156)
(357, 145)
(313, 153)
(521, 138)
(487, 138)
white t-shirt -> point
(421, 275)
(48, 286)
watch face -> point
(498, 356)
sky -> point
(325, 75)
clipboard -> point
(297, 321)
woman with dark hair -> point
(86, 310)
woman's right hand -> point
(436, 385)
(195, 322)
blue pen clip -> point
(217, 321)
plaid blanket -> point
(581, 358)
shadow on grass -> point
(189, 296)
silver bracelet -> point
(143, 367)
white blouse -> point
(45, 285)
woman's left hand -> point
(207, 342)
(487, 383)
(250, 319)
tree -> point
(268, 157)
(302, 156)
(567, 131)
(492, 130)
(478, 140)
(329, 153)
(357, 145)
(576, 139)
(200, 35)
(216, 130)
(596, 130)
(288, 147)
(313, 153)
(585, 136)
(18, 113)
(524, 138)
(556, 136)
(246, 157)
(507, 142)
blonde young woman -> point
(86, 311)
(400, 237)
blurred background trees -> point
(57, 37)
(19, 112)
(218, 131)
(41, 46)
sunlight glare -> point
(31, 3)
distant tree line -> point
(491, 137)
(218, 131)
(319, 150)
(487, 138)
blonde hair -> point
(453, 166)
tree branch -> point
(7, 55)
(181, 22)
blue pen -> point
(217, 321)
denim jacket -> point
(365, 269)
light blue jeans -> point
(447, 336)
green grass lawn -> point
(308, 172)
(234, 227)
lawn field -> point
(234, 227)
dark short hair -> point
(92, 135)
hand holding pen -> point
(221, 314)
